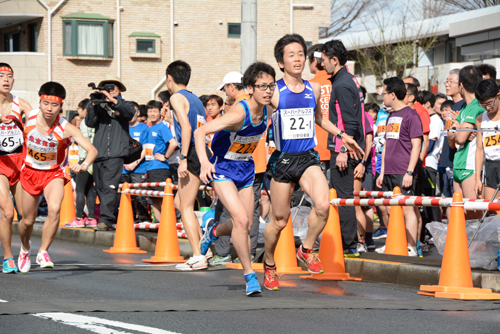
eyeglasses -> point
(489, 104)
(264, 87)
(451, 83)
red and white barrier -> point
(385, 194)
(418, 201)
(147, 226)
(388, 194)
(158, 184)
(149, 193)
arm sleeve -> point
(415, 126)
(166, 135)
(92, 118)
(431, 146)
(346, 98)
(126, 109)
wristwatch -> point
(409, 172)
(343, 149)
(183, 157)
(340, 134)
(363, 162)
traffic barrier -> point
(158, 184)
(146, 226)
(396, 242)
(125, 233)
(331, 252)
(455, 280)
(285, 254)
(167, 244)
(389, 194)
(68, 211)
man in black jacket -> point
(110, 120)
(346, 112)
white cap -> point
(231, 77)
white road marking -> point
(91, 323)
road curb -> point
(393, 272)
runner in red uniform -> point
(13, 109)
(47, 137)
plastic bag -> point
(299, 223)
(483, 252)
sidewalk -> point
(369, 266)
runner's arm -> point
(462, 137)
(172, 145)
(479, 159)
(25, 107)
(353, 148)
(180, 106)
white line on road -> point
(91, 323)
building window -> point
(12, 41)
(234, 30)
(33, 37)
(145, 45)
(87, 38)
(309, 44)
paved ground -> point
(134, 298)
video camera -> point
(99, 97)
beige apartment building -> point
(75, 42)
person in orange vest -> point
(323, 78)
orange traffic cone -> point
(167, 244)
(455, 280)
(15, 215)
(396, 243)
(68, 212)
(285, 254)
(331, 252)
(125, 231)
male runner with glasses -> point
(295, 162)
(232, 168)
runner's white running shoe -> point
(24, 260)
(194, 263)
(43, 259)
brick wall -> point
(199, 39)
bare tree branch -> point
(344, 14)
(472, 4)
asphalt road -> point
(92, 291)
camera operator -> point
(111, 122)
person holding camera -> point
(109, 114)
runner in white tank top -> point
(47, 137)
(488, 141)
(12, 110)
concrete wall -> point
(29, 73)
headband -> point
(52, 98)
(317, 54)
(6, 69)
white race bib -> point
(297, 123)
(242, 148)
(11, 137)
(393, 128)
(149, 151)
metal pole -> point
(248, 40)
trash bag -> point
(483, 252)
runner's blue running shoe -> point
(207, 239)
(253, 285)
(381, 233)
(9, 266)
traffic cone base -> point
(331, 253)
(165, 259)
(396, 243)
(255, 266)
(116, 250)
(332, 277)
(452, 292)
(125, 232)
(167, 242)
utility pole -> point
(248, 39)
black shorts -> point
(157, 175)
(392, 181)
(193, 162)
(368, 181)
(491, 173)
(289, 167)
